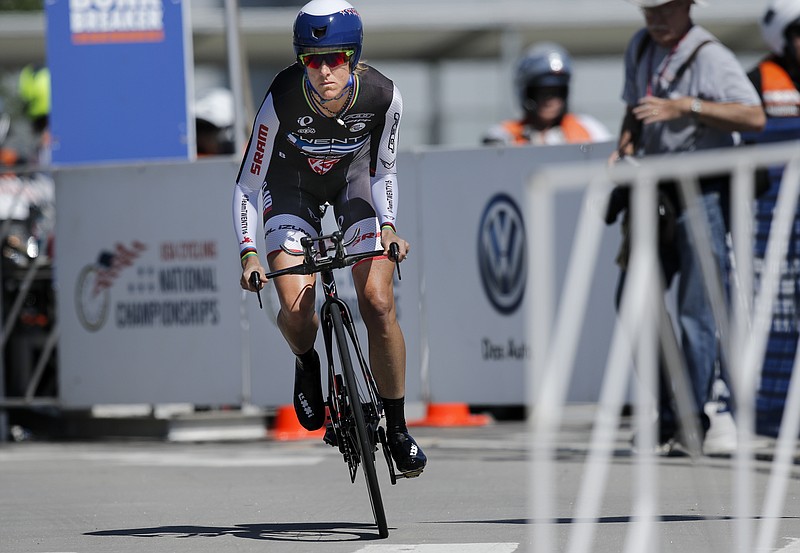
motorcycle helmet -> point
(778, 17)
(544, 64)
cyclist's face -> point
(329, 81)
(668, 22)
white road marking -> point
(172, 459)
(792, 547)
(442, 548)
(194, 460)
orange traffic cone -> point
(451, 414)
(287, 427)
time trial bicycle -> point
(354, 406)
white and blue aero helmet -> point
(779, 15)
(324, 24)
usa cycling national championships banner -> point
(121, 73)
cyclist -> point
(542, 85)
(327, 132)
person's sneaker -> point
(408, 456)
(309, 406)
(667, 446)
(721, 439)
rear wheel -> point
(365, 445)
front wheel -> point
(365, 445)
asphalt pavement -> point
(156, 496)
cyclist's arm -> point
(383, 181)
(249, 182)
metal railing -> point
(554, 325)
(26, 202)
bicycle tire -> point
(366, 449)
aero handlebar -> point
(321, 254)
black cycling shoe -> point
(330, 436)
(309, 406)
(408, 456)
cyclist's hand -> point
(250, 268)
(388, 236)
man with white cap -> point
(685, 91)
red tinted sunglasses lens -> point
(331, 59)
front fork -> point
(372, 409)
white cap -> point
(215, 106)
(656, 3)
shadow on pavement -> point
(276, 531)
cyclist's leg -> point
(387, 353)
(374, 284)
(286, 223)
(297, 319)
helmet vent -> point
(319, 32)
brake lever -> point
(255, 282)
(394, 255)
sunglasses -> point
(331, 59)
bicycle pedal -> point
(330, 436)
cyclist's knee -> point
(297, 301)
(377, 307)
(297, 316)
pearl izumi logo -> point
(107, 21)
(502, 254)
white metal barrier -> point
(554, 332)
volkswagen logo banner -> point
(502, 253)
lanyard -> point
(664, 65)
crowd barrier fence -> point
(554, 331)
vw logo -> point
(502, 253)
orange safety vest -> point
(780, 94)
(573, 130)
(8, 157)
